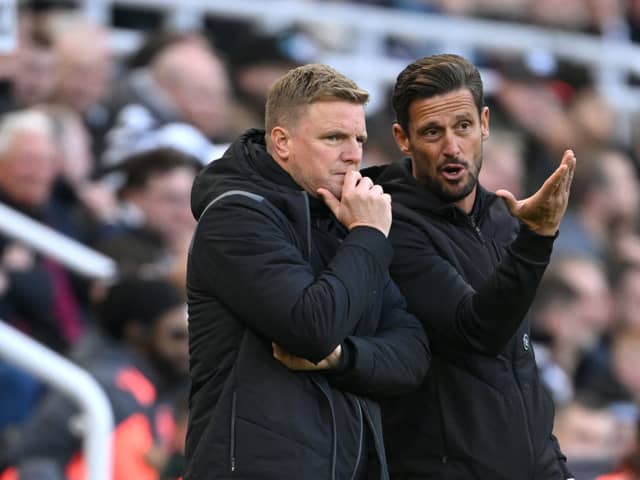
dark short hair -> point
(135, 300)
(432, 76)
(140, 167)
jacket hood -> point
(246, 165)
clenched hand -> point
(361, 203)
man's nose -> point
(352, 151)
(451, 148)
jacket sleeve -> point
(243, 254)
(394, 360)
(449, 307)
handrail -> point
(25, 353)
(477, 33)
(364, 59)
(47, 241)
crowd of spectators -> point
(104, 147)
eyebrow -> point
(464, 116)
(431, 124)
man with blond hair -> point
(294, 323)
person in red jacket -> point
(140, 358)
(630, 467)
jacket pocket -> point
(232, 435)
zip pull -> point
(476, 228)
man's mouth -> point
(452, 171)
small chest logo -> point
(525, 342)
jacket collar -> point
(397, 179)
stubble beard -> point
(442, 190)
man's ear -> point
(401, 139)
(484, 123)
(280, 142)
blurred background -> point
(108, 108)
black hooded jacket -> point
(481, 412)
(269, 264)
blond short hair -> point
(305, 85)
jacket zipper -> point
(361, 439)
(232, 447)
(307, 210)
(334, 429)
(476, 228)
(378, 443)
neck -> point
(466, 204)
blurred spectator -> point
(181, 99)
(588, 437)
(20, 394)
(140, 358)
(592, 121)
(633, 19)
(619, 383)
(381, 148)
(503, 163)
(83, 68)
(570, 314)
(93, 202)
(563, 14)
(608, 19)
(629, 468)
(554, 299)
(42, 297)
(33, 81)
(627, 297)
(502, 9)
(174, 465)
(156, 212)
(612, 376)
(603, 206)
(524, 99)
(256, 61)
(37, 295)
(625, 358)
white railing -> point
(368, 26)
(72, 254)
(97, 420)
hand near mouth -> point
(543, 211)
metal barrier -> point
(368, 26)
(25, 353)
(74, 255)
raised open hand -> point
(543, 211)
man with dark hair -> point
(469, 271)
(155, 224)
(294, 323)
